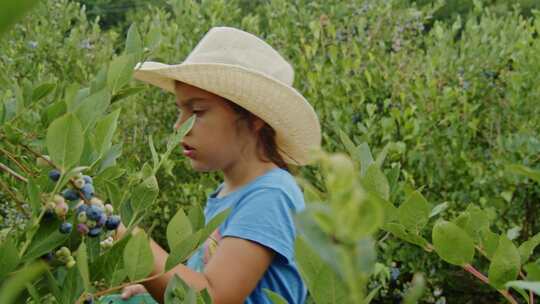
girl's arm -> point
(232, 273)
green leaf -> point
(100, 81)
(104, 132)
(92, 108)
(54, 110)
(505, 263)
(138, 257)
(10, 257)
(438, 209)
(42, 91)
(175, 291)
(145, 193)
(152, 40)
(322, 281)
(196, 217)
(533, 271)
(33, 190)
(183, 250)
(126, 92)
(10, 12)
(82, 264)
(414, 212)
(452, 243)
(155, 157)
(16, 284)
(532, 286)
(42, 244)
(366, 159)
(65, 141)
(133, 40)
(399, 231)
(527, 248)
(525, 171)
(352, 150)
(120, 72)
(489, 241)
(276, 298)
(179, 228)
(375, 181)
(416, 291)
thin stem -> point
(13, 173)
(13, 159)
(18, 202)
(469, 268)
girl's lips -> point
(188, 150)
(189, 153)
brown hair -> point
(266, 137)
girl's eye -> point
(198, 112)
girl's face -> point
(216, 143)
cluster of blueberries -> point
(93, 216)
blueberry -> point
(112, 222)
(94, 231)
(49, 214)
(66, 227)
(48, 256)
(101, 220)
(88, 191)
(87, 179)
(54, 175)
(94, 213)
(89, 299)
(394, 273)
(82, 208)
(70, 195)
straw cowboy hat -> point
(241, 67)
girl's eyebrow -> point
(189, 102)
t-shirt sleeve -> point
(264, 216)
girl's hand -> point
(132, 290)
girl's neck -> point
(242, 173)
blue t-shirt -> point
(262, 211)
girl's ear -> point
(258, 123)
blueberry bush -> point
(428, 191)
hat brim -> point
(298, 131)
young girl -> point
(250, 125)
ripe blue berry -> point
(70, 195)
(88, 191)
(94, 212)
(101, 220)
(82, 208)
(49, 214)
(54, 175)
(94, 231)
(66, 227)
(87, 179)
(112, 222)
(48, 256)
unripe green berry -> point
(70, 263)
(109, 209)
(97, 202)
(81, 217)
(61, 209)
(58, 199)
(50, 206)
(91, 223)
